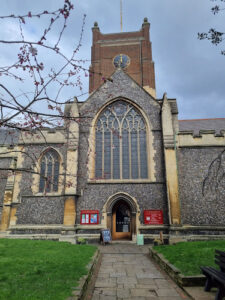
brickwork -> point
(194, 167)
(136, 45)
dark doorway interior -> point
(121, 221)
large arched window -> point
(49, 172)
(120, 143)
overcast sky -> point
(189, 70)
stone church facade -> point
(126, 163)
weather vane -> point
(121, 16)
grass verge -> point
(189, 256)
(41, 269)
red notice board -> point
(89, 217)
(153, 217)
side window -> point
(49, 172)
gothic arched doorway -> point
(121, 221)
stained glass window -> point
(49, 172)
(121, 147)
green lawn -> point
(189, 256)
(41, 269)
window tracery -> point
(121, 147)
(49, 172)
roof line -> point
(201, 119)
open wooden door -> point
(121, 221)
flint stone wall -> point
(35, 151)
(148, 195)
(41, 210)
(202, 185)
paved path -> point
(126, 272)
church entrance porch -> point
(121, 221)
(121, 213)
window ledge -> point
(94, 181)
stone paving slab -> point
(198, 293)
(126, 272)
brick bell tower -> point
(130, 51)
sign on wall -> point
(153, 217)
(89, 217)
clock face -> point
(121, 61)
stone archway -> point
(112, 205)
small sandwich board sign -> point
(105, 236)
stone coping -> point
(55, 226)
(153, 227)
(37, 227)
(79, 291)
(89, 227)
(196, 227)
(37, 236)
(174, 273)
(49, 236)
(100, 226)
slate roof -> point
(8, 137)
(202, 124)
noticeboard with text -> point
(153, 217)
(89, 217)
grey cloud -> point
(186, 68)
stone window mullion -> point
(139, 158)
(123, 145)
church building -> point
(123, 160)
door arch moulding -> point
(134, 208)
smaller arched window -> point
(49, 172)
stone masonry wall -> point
(148, 195)
(4, 163)
(35, 152)
(202, 185)
(40, 210)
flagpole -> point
(121, 16)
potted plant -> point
(81, 241)
(157, 242)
